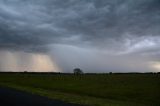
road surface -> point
(11, 97)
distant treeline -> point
(61, 73)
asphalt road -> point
(11, 97)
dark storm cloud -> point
(33, 25)
(104, 35)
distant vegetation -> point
(91, 89)
(77, 71)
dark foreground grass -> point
(94, 90)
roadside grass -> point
(93, 90)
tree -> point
(77, 71)
(110, 72)
(25, 71)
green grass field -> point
(94, 90)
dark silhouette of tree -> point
(25, 71)
(110, 72)
(77, 71)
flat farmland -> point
(90, 89)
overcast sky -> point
(94, 35)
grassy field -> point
(94, 90)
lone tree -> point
(77, 71)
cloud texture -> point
(96, 35)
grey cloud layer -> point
(33, 25)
